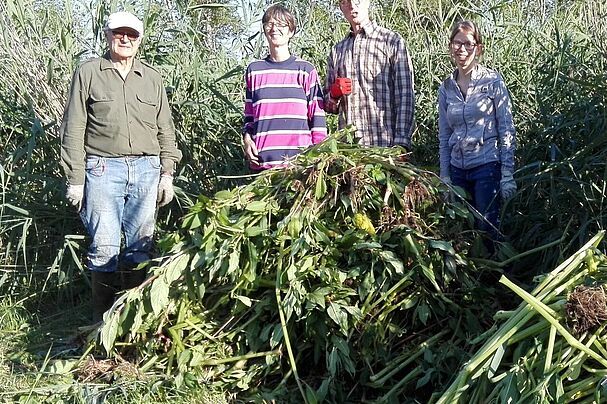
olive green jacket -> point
(109, 116)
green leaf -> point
(277, 336)
(257, 206)
(245, 300)
(339, 316)
(333, 362)
(318, 297)
(61, 367)
(175, 268)
(254, 231)
(423, 313)
(393, 260)
(234, 261)
(321, 186)
(311, 395)
(429, 273)
(442, 245)
(109, 331)
(159, 295)
(224, 194)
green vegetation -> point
(226, 328)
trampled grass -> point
(40, 348)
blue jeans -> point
(120, 200)
(482, 184)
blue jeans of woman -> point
(482, 184)
(120, 202)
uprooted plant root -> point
(106, 370)
(586, 308)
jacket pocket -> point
(101, 105)
(95, 166)
(147, 108)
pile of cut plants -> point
(552, 348)
(344, 277)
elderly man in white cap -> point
(118, 151)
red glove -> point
(341, 86)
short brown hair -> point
(279, 12)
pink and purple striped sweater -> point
(283, 111)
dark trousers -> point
(482, 184)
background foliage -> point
(551, 53)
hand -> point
(250, 150)
(341, 86)
(74, 195)
(165, 190)
(507, 185)
(448, 193)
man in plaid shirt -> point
(370, 80)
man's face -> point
(355, 11)
(123, 42)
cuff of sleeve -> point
(75, 179)
(403, 141)
(168, 166)
(331, 105)
(507, 171)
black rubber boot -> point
(131, 278)
(104, 293)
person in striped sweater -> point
(283, 110)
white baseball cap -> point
(124, 19)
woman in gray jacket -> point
(476, 131)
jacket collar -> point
(478, 72)
(369, 28)
(106, 63)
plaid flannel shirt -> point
(382, 102)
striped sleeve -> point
(316, 113)
(248, 105)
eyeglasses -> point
(469, 46)
(131, 36)
(354, 2)
(269, 25)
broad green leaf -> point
(109, 331)
(277, 336)
(318, 297)
(254, 231)
(183, 359)
(339, 316)
(175, 268)
(224, 194)
(321, 186)
(423, 313)
(245, 300)
(333, 362)
(429, 273)
(257, 206)
(159, 295)
(442, 245)
(393, 260)
(61, 367)
(294, 227)
(234, 261)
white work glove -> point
(74, 195)
(165, 190)
(507, 185)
